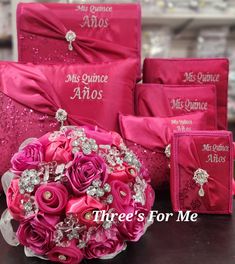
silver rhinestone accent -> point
(200, 176)
(67, 230)
(97, 183)
(107, 224)
(107, 187)
(75, 143)
(61, 116)
(100, 192)
(70, 37)
(82, 244)
(168, 151)
(75, 150)
(139, 189)
(109, 199)
(91, 191)
(96, 190)
(28, 180)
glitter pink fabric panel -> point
(19, 123)
(156, 163)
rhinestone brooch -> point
(201, 177)
(61, 116)
(70, 37)
(168, 151)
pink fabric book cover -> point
(202, 172)
(30, 96)
(192, 71)
(150, 139)
(162, 100)
(78, 33)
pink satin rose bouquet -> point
(61, 185)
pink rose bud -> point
(51, 198)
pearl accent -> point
(47, 195)
(132, 171)
(62, 257)
(88, 216)
(123, 193)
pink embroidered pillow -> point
(78, 33)
(162, 100)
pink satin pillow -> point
(90, 93)
(162, 100)
(202, 172)
(30, 95)
(189, 72)
(78, 33)
(150, 137)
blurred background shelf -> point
(196, 20)
(5, 30)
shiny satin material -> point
(105, 32)
(171, 100)
(82, 206)
(194, 150)
(46, 88)
(189, 72)
(155, 133)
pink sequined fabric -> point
(19, 123)
(185, 192)
(156, 163)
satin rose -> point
(14, 198)
(134, 229)
(67, 255)
(37, 233)
(83, 209)
(51, 198)
(122, 199)
(28, 158)
(127, 175)
(59, 150)
(103, 243)
(83, 170)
